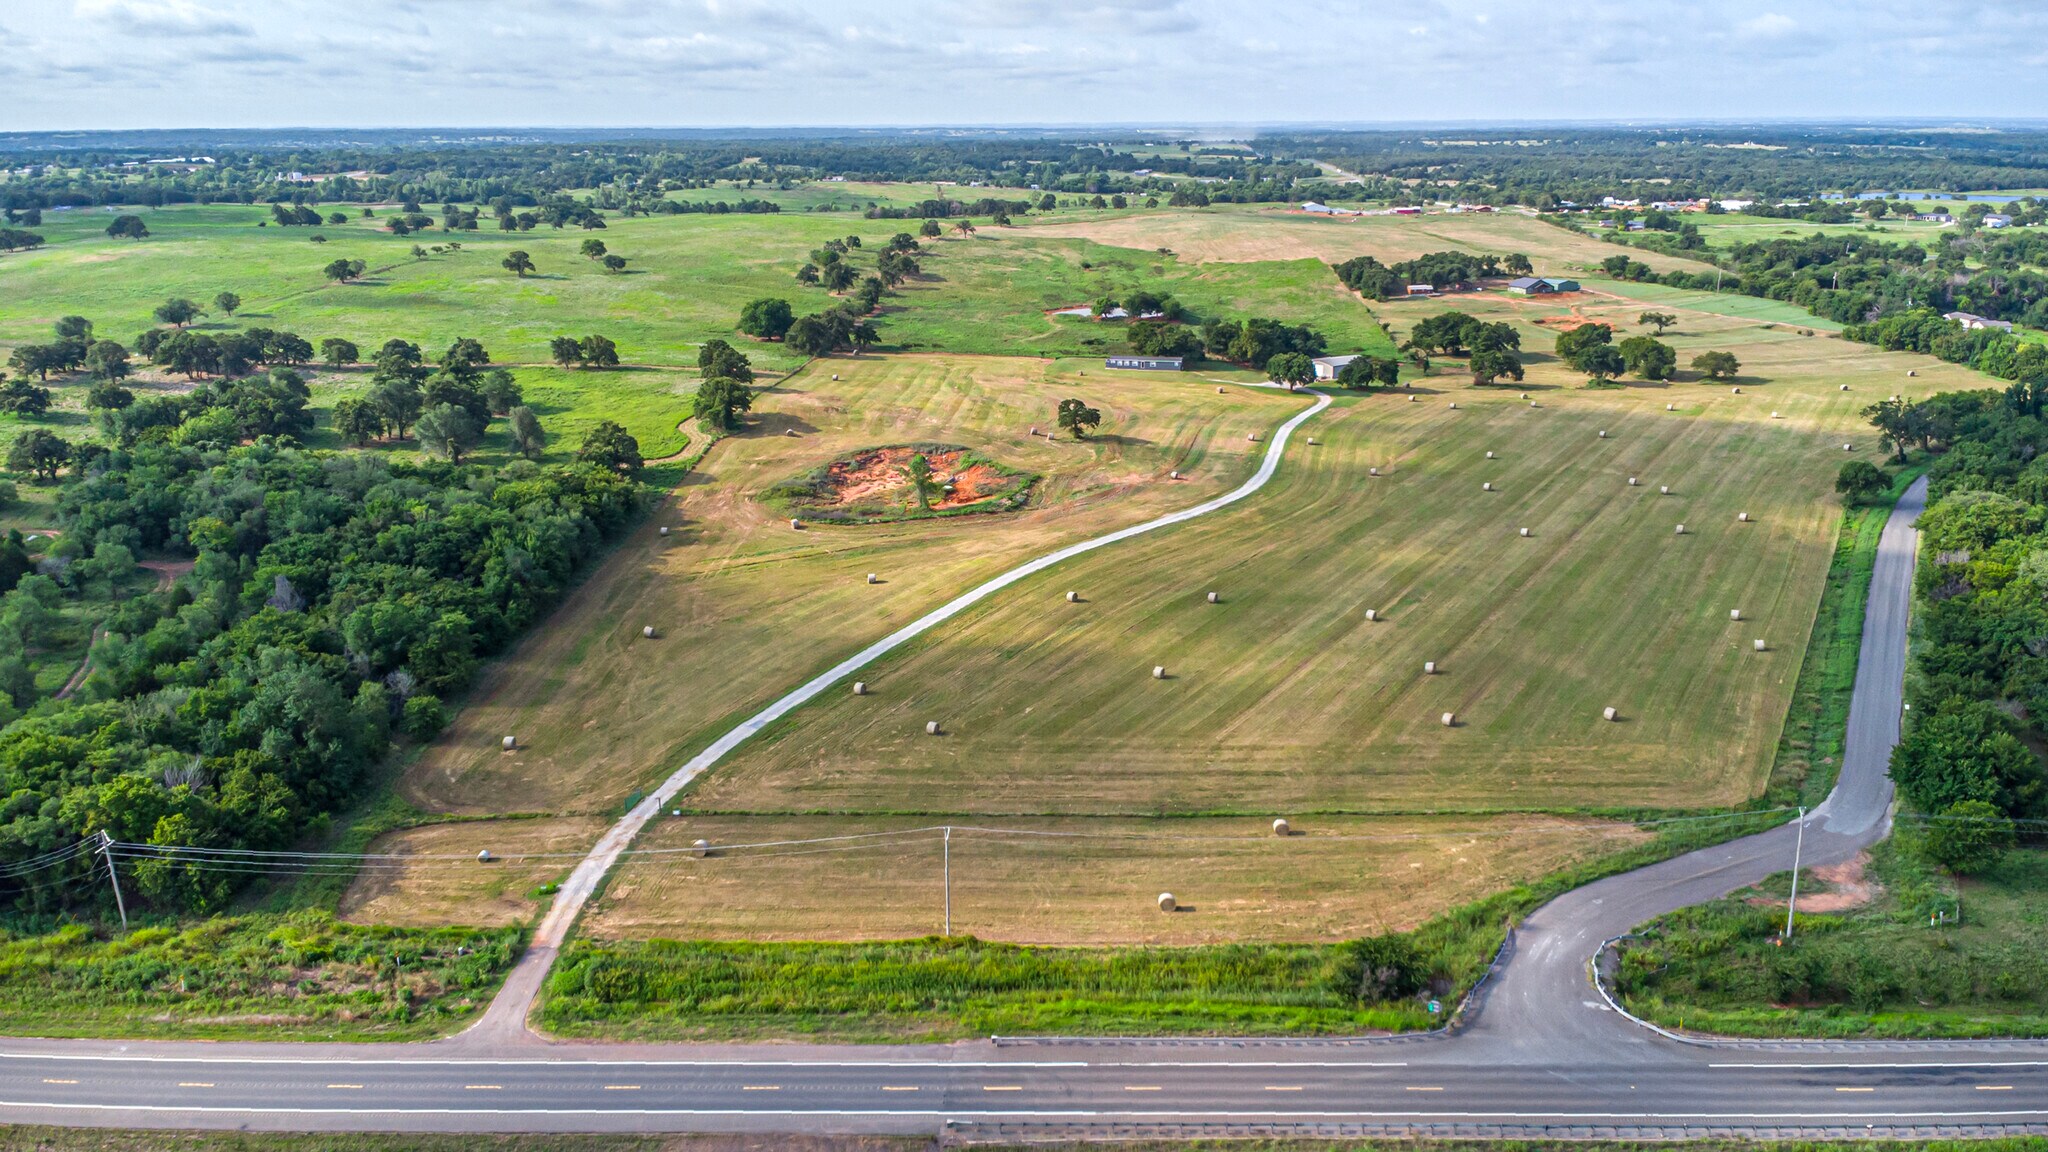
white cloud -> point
(1770, 25)
(161, 17)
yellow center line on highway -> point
(1855, 1089)
(1422, 1088)
(760, 1087)
(1283, 1087)
(347, 1086)
(47, 1080)
(1141, 1087)
(482, 1087)
(1994, 1087)
(1002, 1087)
(622, 1087)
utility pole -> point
(1798, 846)
(113, 877)
(948, 856)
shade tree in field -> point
(610, 446)
(128, 228)
(1658, 320)
(1601, 362)
(1292, 369)
(718, 358)
(108, 395)
(107, 360)
(343, 271)
(358, 420)
(917, 472)
(929, 229)
(501, 392)
(767, 318)
(812, 336)
(1488, 366)
(1573, 345)
(838, 277)
(597, 352)
(338, 352)
(720, 401)
(177, 312)
(565, 350)
(227, 302)
(21, 398)
(1077, 417)
(1369, 372)
(593, 248)
(1717, 365)
(1860, 480)
(1648, 357)
(518, 262)
(613, 263)
(75, 329)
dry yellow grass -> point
(747, 608)
(442, 882)
(1081, 881)
(1271, 232)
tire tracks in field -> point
(505, 1020)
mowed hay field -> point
(1255, 233)
(1078, 881)
(1283, 698)
(747, 608)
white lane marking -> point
(760, 1087)
(1143, 1088)
(1994, 1087)
(1002, 1087)
(622, 1087)
(483, 1087)
(1057, 1113)
(1850, 1066)
(47, 1080)
(899, 1087)
(1283, 1087)
(194, 1084)
(1855, 1089)
(346, 1086)
(1422, 1088)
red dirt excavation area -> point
(877, 477)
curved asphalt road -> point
(1542, 1055)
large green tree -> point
(610, 446)
(1078, 418)
(720, 402)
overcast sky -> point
(372, 63)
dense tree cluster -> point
(1376, 281)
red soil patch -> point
(1568, 323)
(1847, 887)
(877, 476)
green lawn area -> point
(1880, 970)
(1732, 304)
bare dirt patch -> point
(874, 484)
(1844, 886)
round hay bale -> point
(510, 743)
(1371, 614)
(1487, 486)
(835, 375)
(1631, 481)
(1221, 391)
(1681, 530)
(1489, 455)
(1159, 671)
(1166, 902)
(1034, 429)
(796, 524)
(1525, 395)
(1073, 597)
(1912, 372)
(1845, 387)
(1735, 613)
(1252, 436)
(1372, 471)
(1671, 407)
(789, 431)
(1173, 475)
(1534, 404)
(860, 687)
(1412, 399)
(700, 848)
(1759, 645)
(647, 632)
(1429, 667)
(1281, 827)
(1742, 517)
(1311, 440)
(931, 727)
(1450, 719)
(1663, 489)
(1212, 598)
(1775, 416)
(1525, 531)
(485, 857)
(872, 578)
(664, 529)
(1848, 447)
(1609, 714)
(1603, 433)
(1454, 405)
